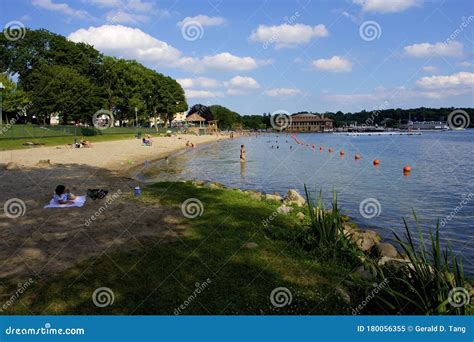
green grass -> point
(160, 277)
(14, 137)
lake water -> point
(440, 185)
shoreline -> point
(119, 156)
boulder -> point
(300, 216)
(216, 185)
(347, 229)
(250, 245)
(385, 249)
(254, 194)
(283, 209)
(270, 197)
(293, 197)
(199, 183)
(365, 240)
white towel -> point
(78, 202)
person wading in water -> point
(242, 153)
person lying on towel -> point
(63, 195)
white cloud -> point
(393, 96)
(465, 64)
(106, 3)
(459, 80)
(118, 16)
(202, 94)
(225, 61)
(129, 11)
(285, 35)
(204, 20)
(139, 6)
(386, 6)
(429, 68)
(60, 7)
(333, 64)
(127, 42)
(284, 92)
(429, 87)
(440, 49)
(203, 82)
(242, 82)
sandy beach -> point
(112, 155)
(41, 241)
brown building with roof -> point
(307, 122)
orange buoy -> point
(341, 152)
(330, 150)
(357, 156)
(321, 148)
(376, 162)
(407, 169)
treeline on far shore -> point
(388, 117)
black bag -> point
(97, 193)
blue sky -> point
(264, 56)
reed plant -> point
(432, 280)
(324, 232)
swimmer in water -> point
(242, 153)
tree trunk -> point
(156, 124)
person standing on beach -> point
(242, 153)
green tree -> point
(15, 101)
(227, 119)
(62, 90)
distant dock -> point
(356, 134)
